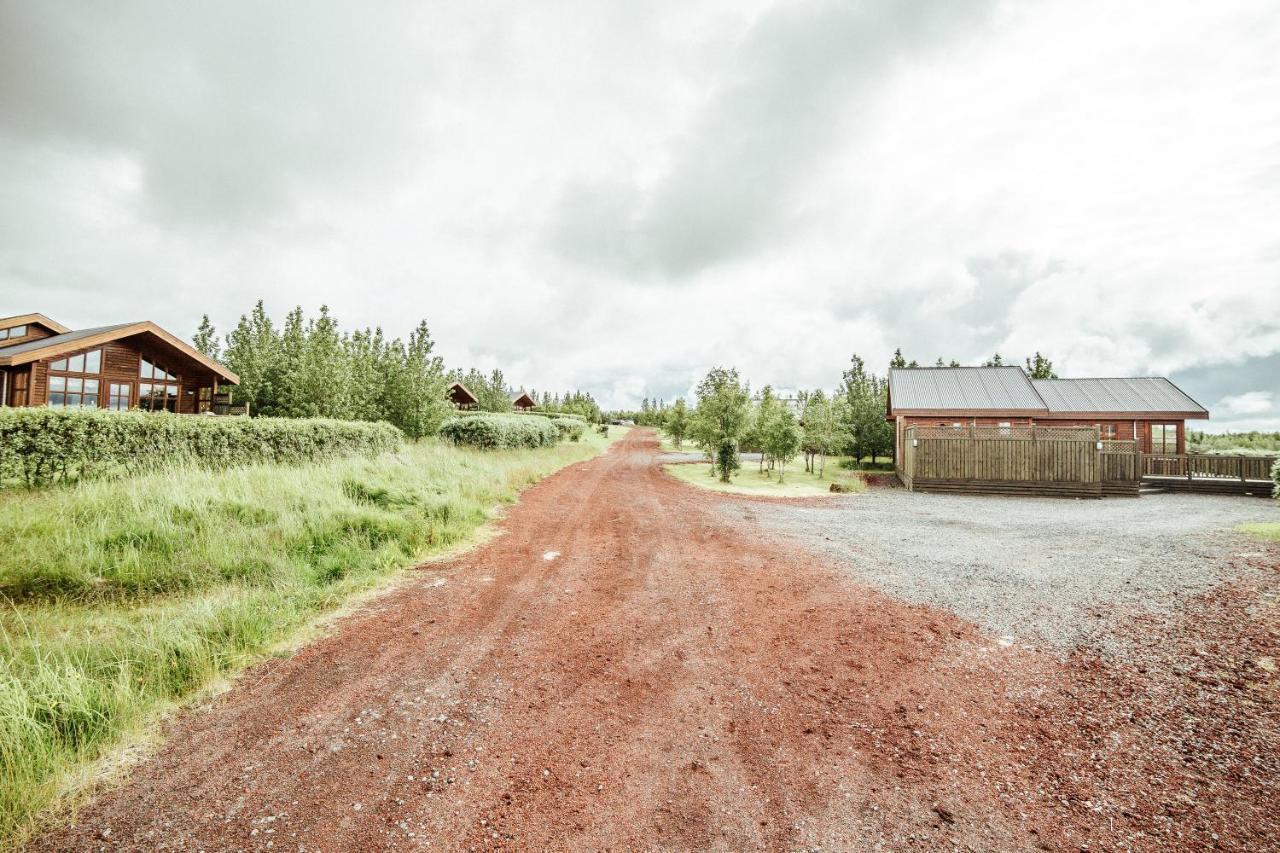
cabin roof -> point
(1137, 394)
(465, 390)
(1008, 390)
(33, 320)
(523, 395)
(50, 347)
(969, 389)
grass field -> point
(1269, 530)
(666, 443)
(122, 597)
(749, 481)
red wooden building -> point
(1150, 410)
(523, 402)
(126, 366)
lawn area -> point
(122, 597)
(1269, 530)
(749, 481)
(668, 444)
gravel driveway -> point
(1034, 571)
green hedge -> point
(570, 428)
(1275, 477)
(39, 445)
(492, 431)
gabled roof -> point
(968, 389)
(1145, 394)
(458, 386)
(523, 395)
(50, 347)
(33, 319)
(1009, 391)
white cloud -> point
(1248, 403)
(617, 196)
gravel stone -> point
(1045, 572)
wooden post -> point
(1035, 452)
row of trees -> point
(1037, 366)
(310, 367)
(728, 419)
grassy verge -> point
(749, 481)
(668, 444)
(121, 597)
(1268, 530)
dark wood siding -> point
(1125, 430)
(121, 362)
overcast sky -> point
(615, 196)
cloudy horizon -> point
(611, 198)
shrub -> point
(492, 432)
(40, 445)
(1275, 478)
(569, 428)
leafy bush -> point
(570, 428)
(1275, 477)
(39, 445)
(500, 431)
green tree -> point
(722, 414)
(1040, 367)
(863, 415)
(897, 360)
(819, 431)
(677, 422)
(206, 339)
(782, 439)
(320, 377)
(253, 352)
(416, 398)
(995, 361)
(767, 411)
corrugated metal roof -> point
(59, 340)
(971, 389)
(1147, 394)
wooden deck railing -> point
(1195, 467)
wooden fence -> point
(1064, 461)
(1074, 462)
(1208, 467)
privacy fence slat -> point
(1073, 461)
(1024, 460)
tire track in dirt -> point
(666, 682)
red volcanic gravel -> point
(665, 681)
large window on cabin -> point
(73, 392)
(118, 396)
(12, 332)
(1164, 438)
(85, 362)
(160, 394)
(69, 385)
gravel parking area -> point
(1048, 573)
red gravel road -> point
(667, 681)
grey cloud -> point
(1211, 384)
(231, 110)
(799, 81)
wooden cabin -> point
(461, 397)
(522, 402)
(1149, 410)
(126, 366)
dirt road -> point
(621, 670)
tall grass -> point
(119, 597)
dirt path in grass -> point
(621, 671)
